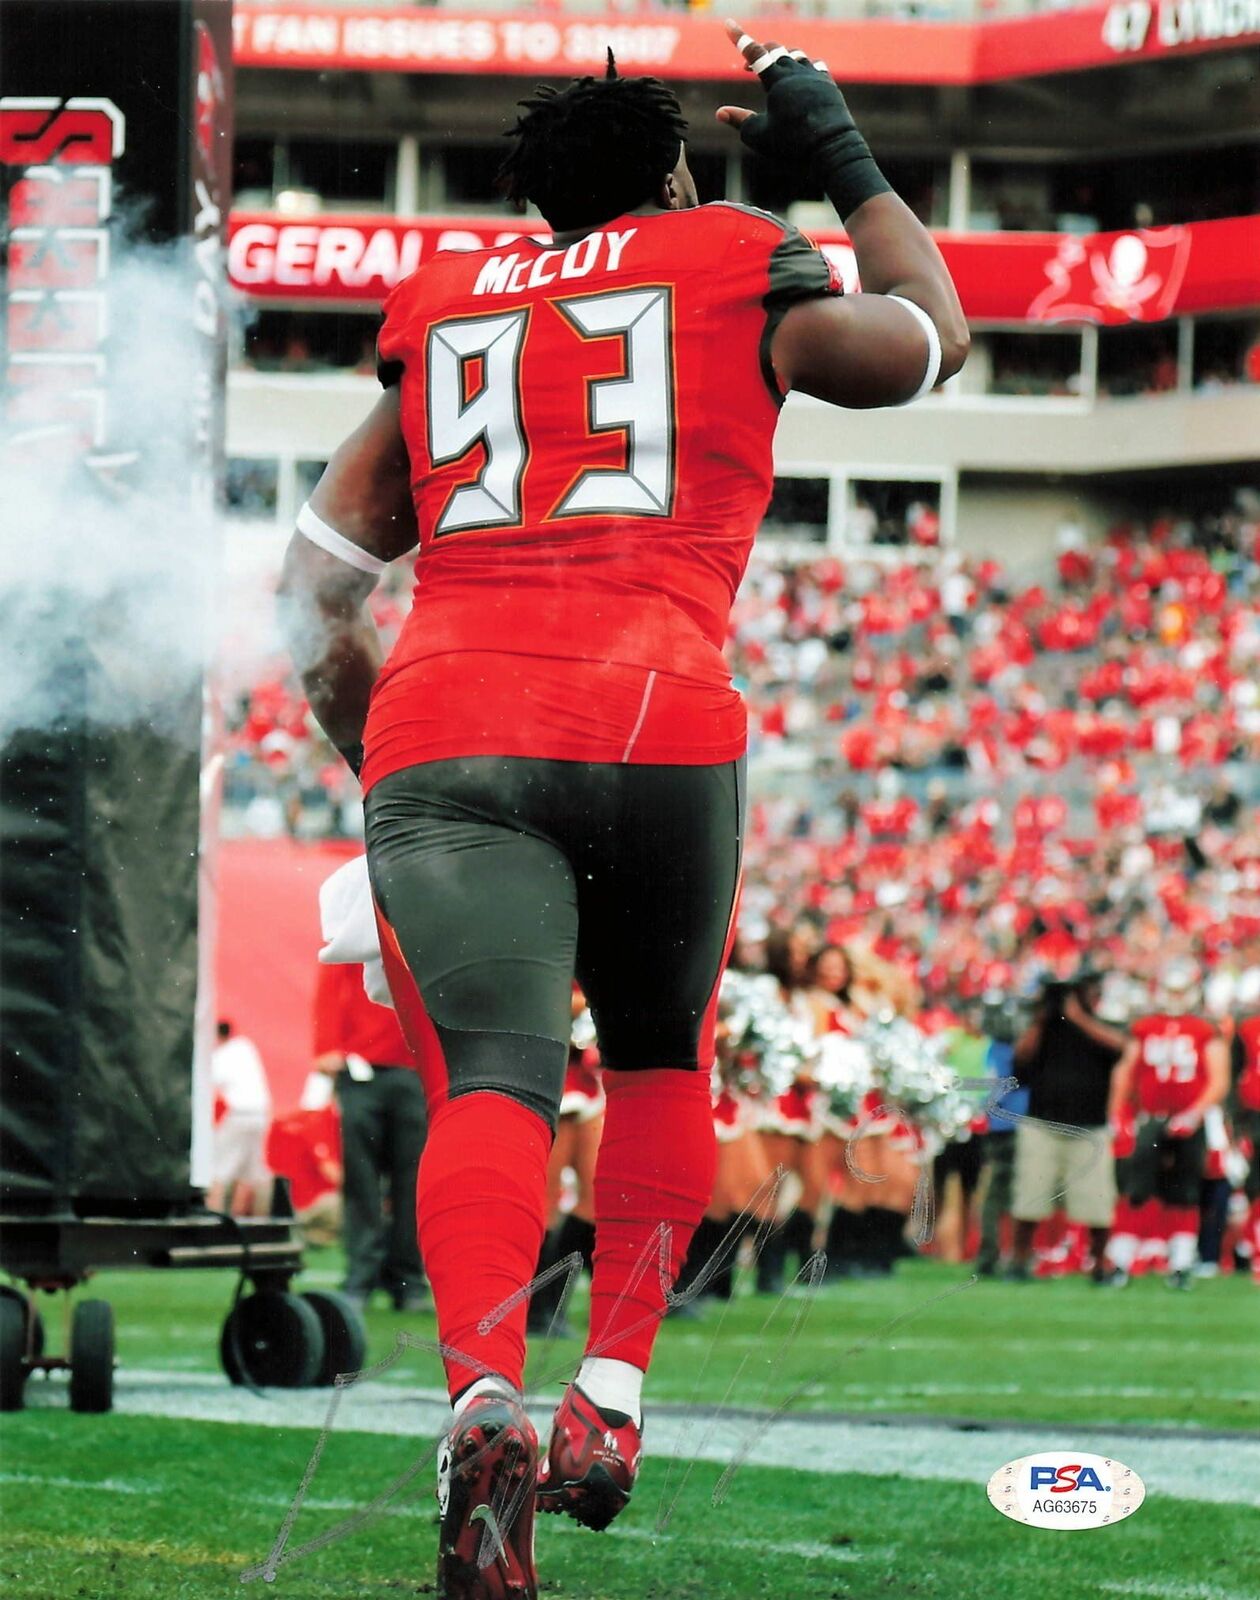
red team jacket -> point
(1172, 1069)
(348, 1022)
(589, 430)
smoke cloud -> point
(109, 556)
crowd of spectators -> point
(980, 779)
(997, 778)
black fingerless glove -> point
(806, 119)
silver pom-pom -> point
(764, 1047)
(911, 1075)
(844, 1073)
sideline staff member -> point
(361, 1046)
(1063, 1149)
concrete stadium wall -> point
(1017, 523)
(1072, 445)
(307, 415)
(1005, 434)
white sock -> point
(612, 1385)
(1122, 1249)
(1183, 1252)
(491, 1384)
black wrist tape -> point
(848, 173)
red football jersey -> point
(589, 430)
(1172, 1069)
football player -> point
(577, 430)
(1174, 1068)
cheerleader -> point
(743, 1191)
(792, 1125)
(871, 1161)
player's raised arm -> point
(358, 520)
(906, 331)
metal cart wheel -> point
(92, 1356)
(345, 1334)
(273, 1340)
(12, 1351)
(32, 1322)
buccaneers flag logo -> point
(210, 92)
(1120, 277)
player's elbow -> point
(291, 582)
(941, 316)
(955, 346)
(297, 592)
(311, 577)
(307, 602)
(949, 341)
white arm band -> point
(318, 532)
(934, 346)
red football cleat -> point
(487, 1471)
(591, 1461)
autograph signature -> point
(687, 1448)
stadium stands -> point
(993, 777)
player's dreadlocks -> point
(593, 150)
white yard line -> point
(800, 1549)
(1086, 1391)
(1152, 1589)
(49, 1480)
(1189, 1468)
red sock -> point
(657, 1162)
(481, 1205)
(1183, 1219)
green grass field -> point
(128, 1507)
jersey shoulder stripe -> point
(798, 269)
(795, 270)
(748, 211)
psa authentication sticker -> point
(1066, 1489)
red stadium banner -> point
(869, 50)
(1141, 276)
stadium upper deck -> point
(962, 46)
(1094, 172)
